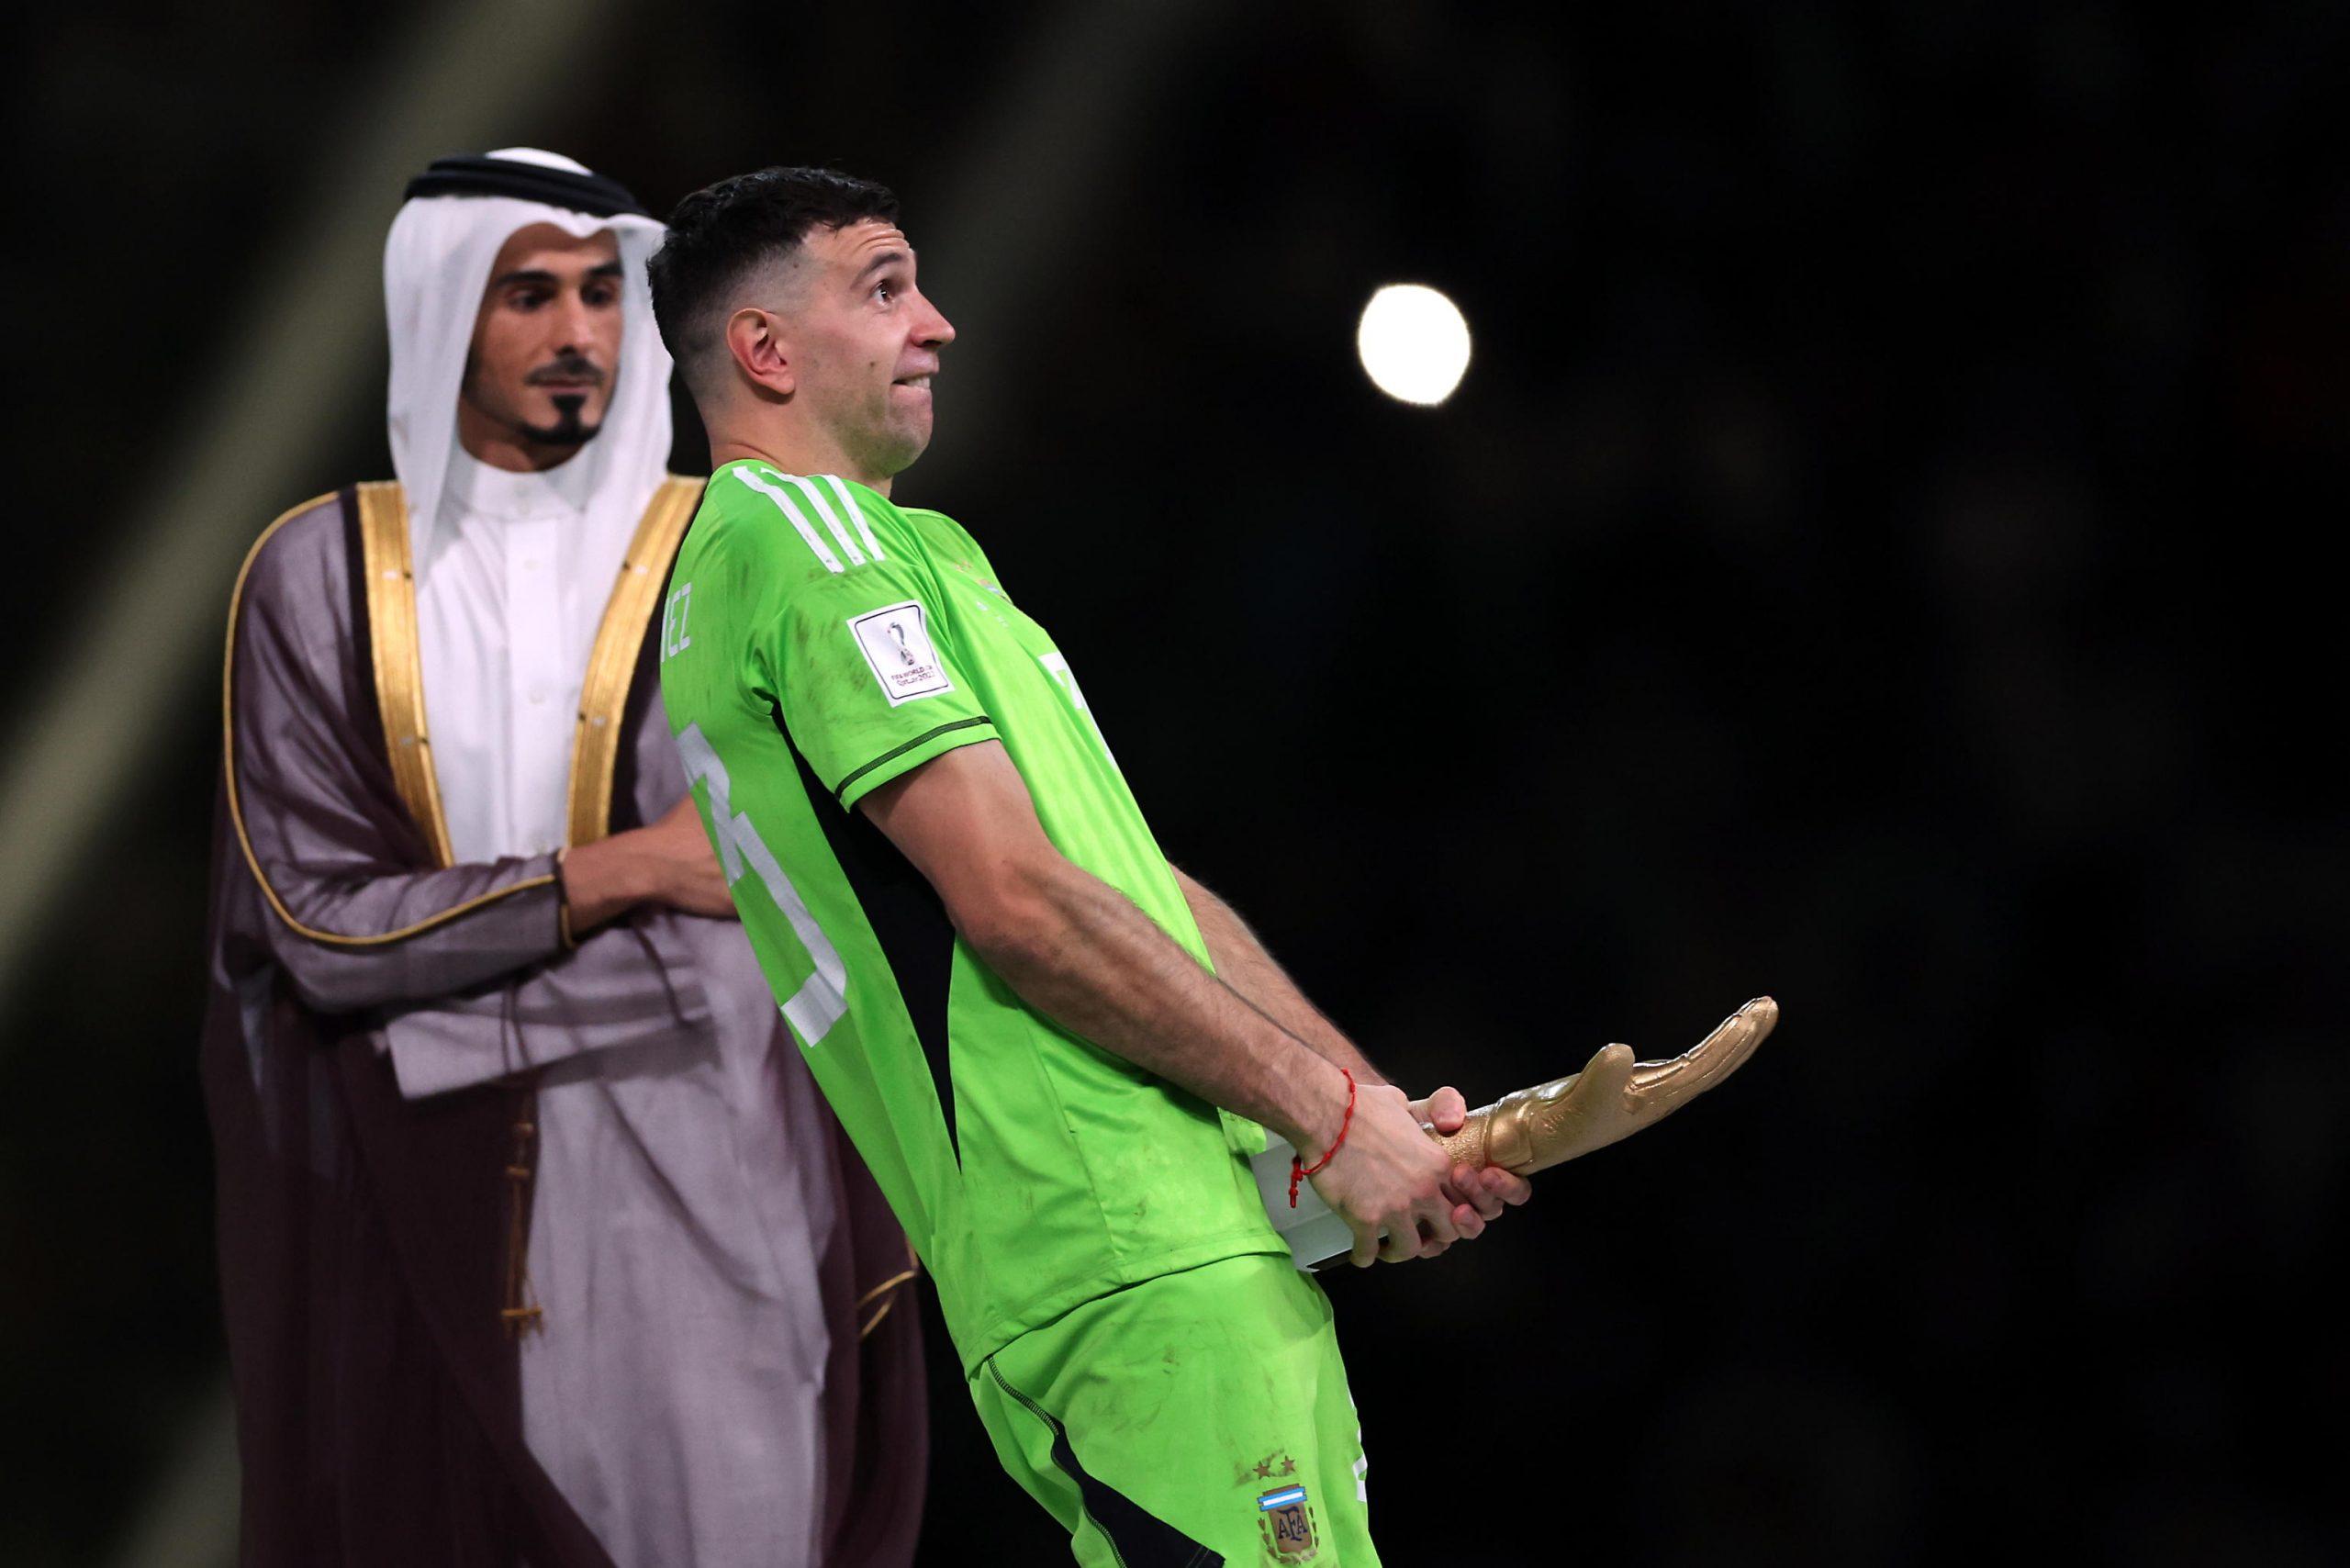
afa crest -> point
(1287, 1520)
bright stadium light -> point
(1414, 343)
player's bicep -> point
(965, 821)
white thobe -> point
(673, 1392)
(507, 608)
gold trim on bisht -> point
(400, 658)
(612, 662)
(400, 685)
(236, 805)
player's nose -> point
(937, 332)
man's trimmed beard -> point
(568, 428)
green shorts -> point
(1200, 1418)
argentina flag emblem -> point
(1287, 1520)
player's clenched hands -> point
(1388, 1176)
(1478, 1192)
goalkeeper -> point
(1054, 1051)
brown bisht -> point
(371, 1245)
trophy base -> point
(1315, 1232)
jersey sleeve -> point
(868, 678)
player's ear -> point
(753, 338)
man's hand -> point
(668, 863)
(1478, 1192)
(1388, 1176)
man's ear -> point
(753, 338)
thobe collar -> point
(474, 488)
(507, 612)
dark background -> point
(1874, 558)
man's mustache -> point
(567, 367)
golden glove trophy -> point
(1612, 1098)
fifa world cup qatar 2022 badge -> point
(1286, 1517)
(896, 640)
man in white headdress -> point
(537, 1243)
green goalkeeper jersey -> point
(817, 642)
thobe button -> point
(530, 563)
(538, 694)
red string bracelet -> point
(1298, 1169)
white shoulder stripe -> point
(823, 510)
(848, 505)
(783, 504)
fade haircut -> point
(722, 233)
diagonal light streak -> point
(470, 72)
(466, 78)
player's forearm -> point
(1079, 951)
(1243, 963)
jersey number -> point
(674, 640)
(822, 997)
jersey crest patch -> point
(896, 640)
(1287, 1520)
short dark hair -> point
(722, 232)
